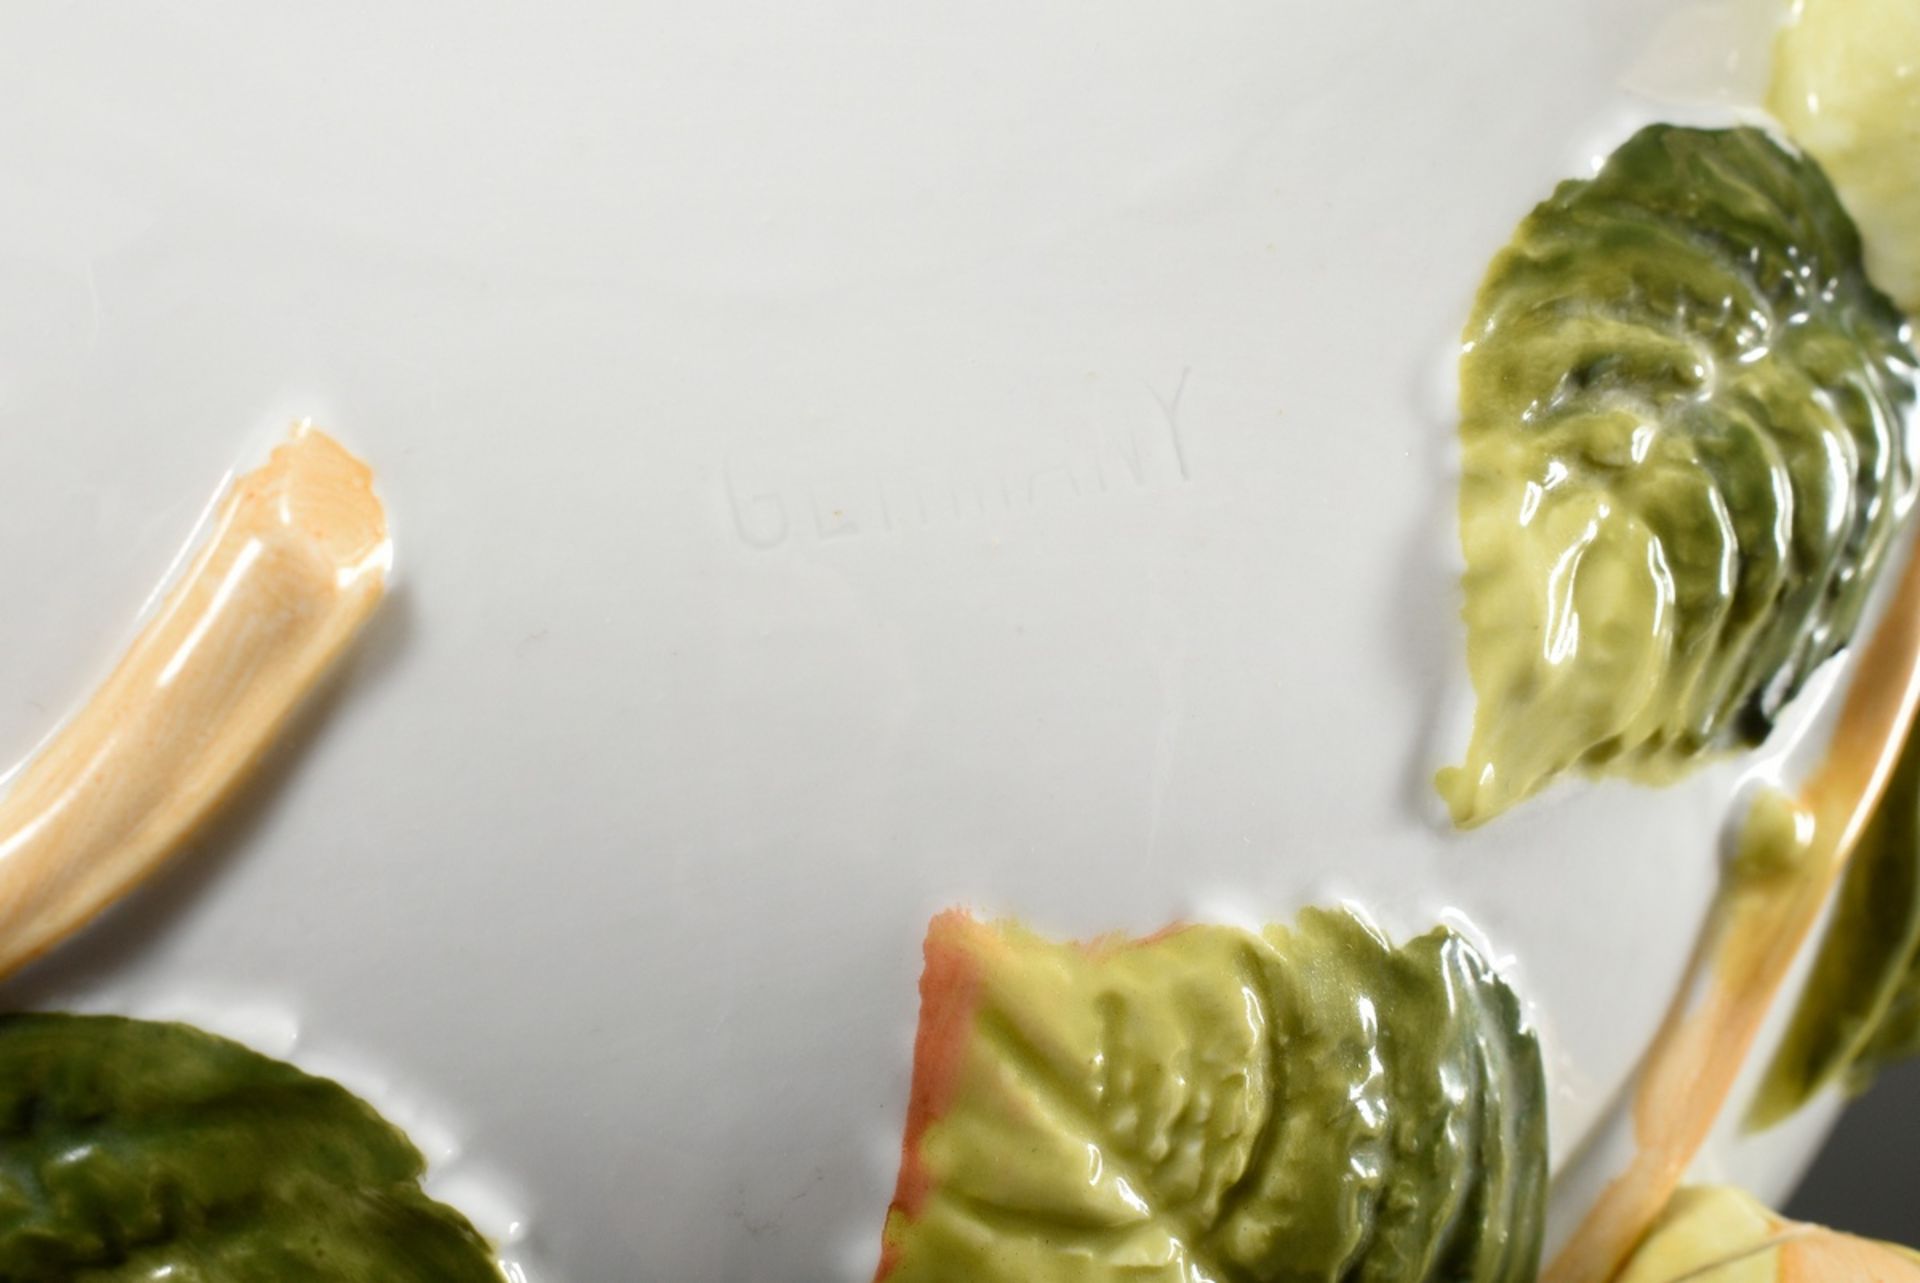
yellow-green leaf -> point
(1686, 436)
(1211, 1105)
(1714, 1235)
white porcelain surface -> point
(845, 459)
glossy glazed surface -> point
(1718, 1235)
(1860, 1008)
(843, 467)
(294, 563)
(133, 1150)
(1688, 437)
(1848, 87)
(1303, 1103)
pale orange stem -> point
(295, 563)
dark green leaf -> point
(1860, 1009)
(132, 1150)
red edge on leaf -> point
(1101, 948)
(949, 996)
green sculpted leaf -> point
(131, 1150)
(1214, 1106)
(1686, 438)
(1861, 1005)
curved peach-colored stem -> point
(296, 561)
(1757, 926)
